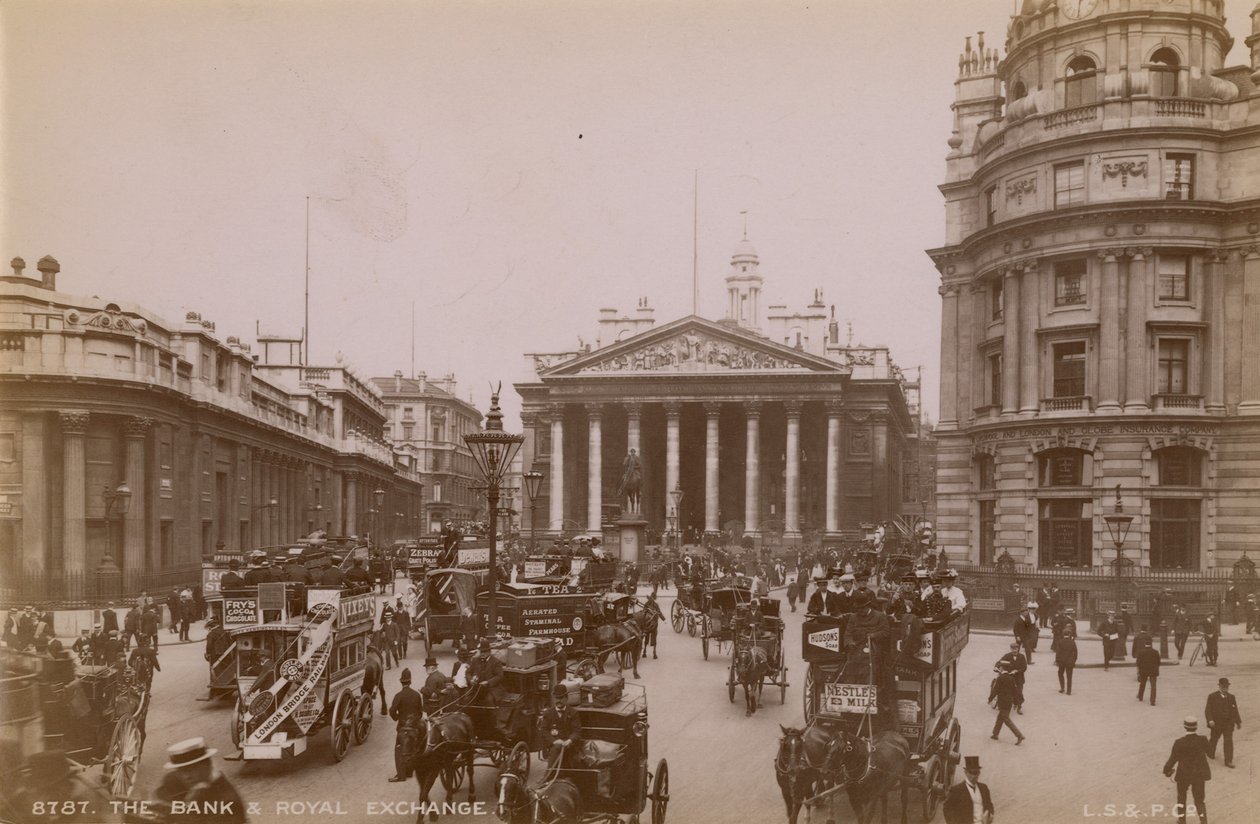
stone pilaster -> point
(33, 546)
(1137, 365)
(1109, 344)
(1214, 296)
(792, 454)
(1010, 343)
(711, 446)
(1029, 308)
(1250, 397)
(74, 427)
(352, 504)
(949, 356)
(135, 539)
(752, 468)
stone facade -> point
(1100, 289)
(218, 451)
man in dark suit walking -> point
(1211, 638)
(1189, 756)
(969, 802)
(1025, 630)
(1148, 670)
(1222, 719)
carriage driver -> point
(561, 725)
(485, 679)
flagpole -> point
(306, 322)
(695, 244)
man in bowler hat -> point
(1222, 719)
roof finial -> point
(744, 212)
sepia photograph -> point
(629, 411)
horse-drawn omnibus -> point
(844, 699)
(300, 661)
(94, 714)
(590, 573)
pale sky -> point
(510, 167)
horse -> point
(751, 666)
(623, 639)
(373, 676)
(558, 800)
(805, 765)
(447, 750)
(873, 767)
(648, 619)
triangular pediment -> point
(693, 345)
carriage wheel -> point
(730, 683)
(704, 645)
(933, 788)
(123, 758)
(342, 727)
(363, 719)
(809, 696)
(518, 760)
(692, 624)
(954, 742)
(586, 668)
(238, 724)
(660, 792)
(677, 617)
(783, 685)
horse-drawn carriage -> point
(692, 603)
(589, 573)
(94, 714)
(756, 650)
(885, 713)
(301, 655)
(608, 778)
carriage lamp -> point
(493, 450)
(533, 485)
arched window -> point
(1164, 71)
(1081, 85)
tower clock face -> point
(1076, 9)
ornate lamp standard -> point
(676, 495)
(378, 502)
(533, 485)
(493, 450)
(1118, 524)
(117, 502)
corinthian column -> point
(1136, 357)
(1109, 334)
(74, 501)
(634, 413)
(135, 431)
(1010, 342)
(792, 504)
(595, 469)
(833, 466)
(752, 469)
(555, 518)
(1214, 288)
(711, 411)
(949, 356)
(673, 412)
(1030, 352)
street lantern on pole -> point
(676, 495)
(378, 502)
(117, 502)
(1118, 523)
(533, 485)
(493, 450)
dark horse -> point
(558, 800)
(622, 639)
(751, 666)
(447, 750)
(372, 676)
(648, 619)
(807, 763)
(872, 768)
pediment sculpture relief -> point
(691, 352)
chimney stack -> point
(397, 381)
(48, 267)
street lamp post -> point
(1118, 524)
(493, 450)
(378, 502)
(533, 485)
(117, 502)
(676, 495)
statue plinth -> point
(632, 527)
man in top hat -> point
(1190, 758)
(232, 578)
(407, 709)
(1026, 630)
(561, 728)
(969, 801)
(1109, 631)
(194, 785)
(1222, 719)
(951, 590)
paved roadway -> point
(1096, 747)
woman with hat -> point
(201, 791)
(969, 802)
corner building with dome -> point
(1100, 299)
